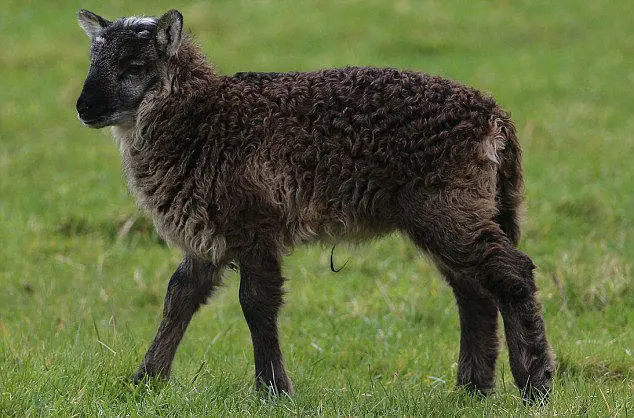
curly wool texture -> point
(330, 154)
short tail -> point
(510, 182)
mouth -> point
(93, 123)
(103, 121)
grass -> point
(81, 301)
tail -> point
(510, 181)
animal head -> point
(125, 59)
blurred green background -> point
(81, 297)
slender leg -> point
(479, 342)
(464, 241)
(530, 354)
(507, 274)
(261, 298)
(190, 286)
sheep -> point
(242, 168)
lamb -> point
(241, 169)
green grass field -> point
(81, 300)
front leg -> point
(190, 286)
(261, 298)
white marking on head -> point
(139, 20)
(100, 39)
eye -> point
(134, 68)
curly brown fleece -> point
(245, 167)
(321, 155)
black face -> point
(123, 67)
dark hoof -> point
(537, 396)
(476, 390)
(147, 374)
(138, 377)
(537, 390)
(277, 387)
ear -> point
(91, 23)
(168, 32)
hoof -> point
(537, 390)
(139, 377)
(277, 387)
(536, 395)
(476, 390)
(145, 373)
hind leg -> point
(530, 355)
(466, 242)
(479, 343)
(509, 276)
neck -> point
(187, 69)
(122, 133)
(181, 76)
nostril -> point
(84, 106)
